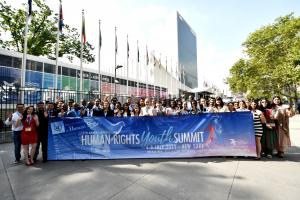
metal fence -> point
(10, 96)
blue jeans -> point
(17, 143)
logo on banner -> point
(57, 127)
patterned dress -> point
(258, 128)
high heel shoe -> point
(30, 161)
(27, 163)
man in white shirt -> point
(11, 120)
(146, 110)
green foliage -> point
(272, 66)
(42, 33)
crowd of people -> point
(30, 124)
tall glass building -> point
(187, 53)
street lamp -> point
(117, 67)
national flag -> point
(61, 19)
(83, 35)
(147, 56)
(29, 7)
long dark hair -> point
(25, 112)
(273, 104)
(221, 101)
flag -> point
(61, 19)
(116, 41)
(29, 7)
(83, 35)
(147, 57)
(127, 48)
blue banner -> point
(211, 134)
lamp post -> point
(117, 67)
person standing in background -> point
(11, 120)
(42, 132)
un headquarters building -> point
(187, 53)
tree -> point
(272, 64)
(42, 33)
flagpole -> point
(147, 83)
(171, 79)
(115, 61)
(99, 63)
(137, 71)
(23, 75)
(153, 57)
(166, 80)
(81, 54)
(57, 45)
(127, 88)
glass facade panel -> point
(10, 76)
(16, 63)
(34, 66)
(5, 61)
(48, 68)
(33, 79)
(187, 52)
(49, 81)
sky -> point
(221, 26)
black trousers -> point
(44, 141)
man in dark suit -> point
(42, 131)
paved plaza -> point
(154, 179)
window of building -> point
(5, 61)
(34, 66)
(48, 68)
(16, 63)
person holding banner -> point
(29, 135)
(259, 120)
(136, 110)
(184, 110)
(146, 110)
(211, 106)
(173, 110)
(126, 110)
(220, 107)
(158, 110)
(106, 111)
(194, 110)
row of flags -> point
(156, 61)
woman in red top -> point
(29, 135)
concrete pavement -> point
(200, 178)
